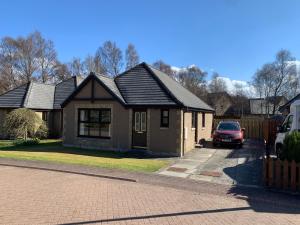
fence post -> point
(285, 174)
(265, 170)
(278, 179)
(270, 172)
(293, 175)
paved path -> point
(221, 165)
(34, 196)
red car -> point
(228, 132)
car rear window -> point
(228, 126)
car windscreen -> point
(228, 126)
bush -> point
(291, 147)
(42, 131)
(28, 142)
(23, 123)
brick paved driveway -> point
(30, 196)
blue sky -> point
(232, 37)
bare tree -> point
(46, 58)
(276, 79)
(61, 73)
(93, 64)
(27, 58)
(166, 68)
(76, 67)
(110, 57)
(193, 78)
(217, 84)
(8, 77)
(131, 57)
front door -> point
(139, 128)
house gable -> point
(93, 89)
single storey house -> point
(44, 99)
(264, 106)
(142, 108)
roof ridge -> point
(103, 75)
(35, 82)
(27, 93)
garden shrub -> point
(42, 131)
(23, 123)
(291, 147)
(28, 142)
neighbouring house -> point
(142, 108)
(44, 99)
(264, 106)
(285, 108)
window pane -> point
(94, 129)
(84, 115)
(105, 116)
(137, 124)
(165, 121)
(83, 129)
(143, 121)
(165, 113)
(105, 130)
(94, 116)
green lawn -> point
(53, 151)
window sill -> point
(93, 137)
(193, 128)
(164, 128)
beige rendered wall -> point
(164, 140)
(119, 130)
(205, 132)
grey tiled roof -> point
(63, 90)
(14, 98)
(39, 96)
(182, 94)
(110, 84)
(139, 87)
(145, 86)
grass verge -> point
(53, 151)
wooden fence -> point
(281, 174)
(255, 127)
